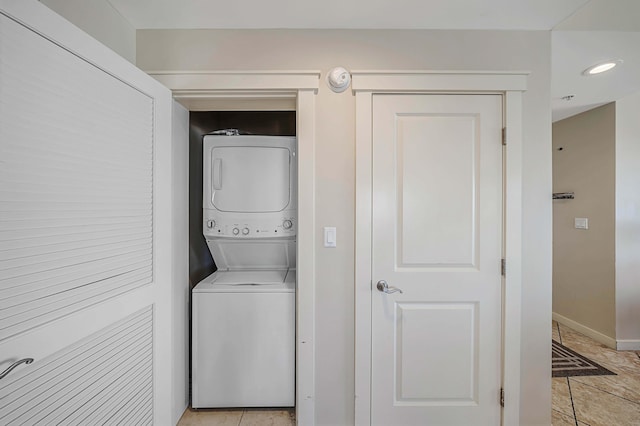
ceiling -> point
(374, 14)
(584, 32)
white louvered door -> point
(76, 187)
(85, 228)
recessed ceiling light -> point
(601, 67)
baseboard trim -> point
(628, 345)
(595, 335)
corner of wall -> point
(627, 268)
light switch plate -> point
(581, 223)
(329, 236)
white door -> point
(437, 236)
(85, 229)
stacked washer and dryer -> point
(243, 327)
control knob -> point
(287, 224)
(211, 224)
(245, 231)
(235, 231)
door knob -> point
(384, 287)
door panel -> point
(76, 183)
(437, 236)
(423, 240)
(116, 365)
(85, 228)
(455, 354)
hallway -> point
(597, 400)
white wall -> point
(335, 168)
(100, 20)
(628, 222)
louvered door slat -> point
(81, 242)
(108, 409)
(80, 380)
(14, 315)
(12, 225)
(42, 289)
(74, 206)
(131, 409)
(138, 416)
(92, 252)
(74, 395)
(80, 397)
(38, 215)
(48, 253)
(64, 304)
(62, 375)
(65, 231)
(76, 183)
(68, 280)
(107, 402)
(65, 403)
(83, 272)
(97, 343)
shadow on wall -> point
(271, 123)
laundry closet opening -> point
(242, 257)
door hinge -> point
(504, 136)
(502, 397)
(503, 267)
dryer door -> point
(250, 179)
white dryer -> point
(243, 328)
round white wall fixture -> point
(338, 79)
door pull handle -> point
(217, 173)
(14, 365)
(384, 287)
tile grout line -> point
(559, 335)
(241, 417)
(573, 408)
(607, 392)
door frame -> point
(366, 84)
(210, 90)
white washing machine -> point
(243, 315)
(243, 340)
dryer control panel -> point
(237, 226)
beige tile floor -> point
(239, 417)
(597, 400)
